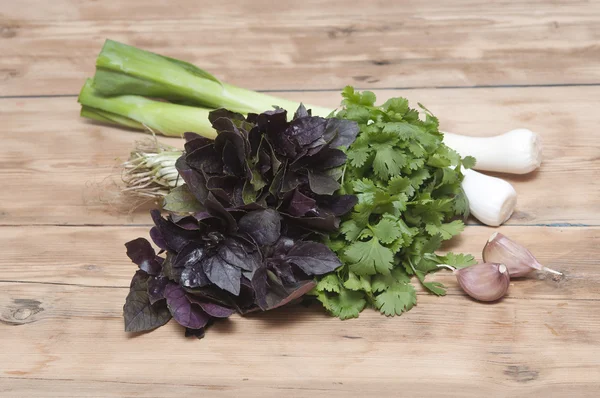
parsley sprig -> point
(410, 199)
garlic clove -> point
(518, 260)
(484, 281)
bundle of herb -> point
(243, 236)
(409, 196)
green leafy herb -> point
(409, 201)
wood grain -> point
(64, 273)
(513, 347)
(50, 47)
(62, 179)
(96, 258)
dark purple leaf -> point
(205, 159)
(175, 237)
(212, 309)
(214, 207)
(194, 276)
(195, 141)
(184, 312)
(192, 253)
(313, 258)
(139, 277)
(194, 179)
(306, 130)
(223, 113)
(213, 294)
(283, 270)
(156, 288)
(140, 251)
(186, 222)
(264, 226)
(301, 112)
(300, 204)
(259, 285)
(282, 247)
(322, 184)
(324, 223)
(341, 132)
(225, 276)
(237, 254)
(327, 158)
(282, 295)
(139, 314)
(171, 272)
(337, 204)
(157, 238)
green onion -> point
(136, 111)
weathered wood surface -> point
(64, 275)
(48, 47)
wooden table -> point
(482, 67)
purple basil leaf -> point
(340, 132)
(282, 247)
(322, 184)
(264, 226)
(156, 288)
(139, 314)
(194, 179)
(223, 113)
(205, 159)
(277, 297)
(157, 238)
(236, 254)
(139, 277)
(140, 251)
(193, 277)
(324, 223)
(300, 204)
(291, 180)
(222, 274)
(185, 313)
(171, 272)
(212, 309)
(175, 237)
(192, 253)
(195, 141)
(186, 222)
(327, 158)
(214, 207)
(306, 130)
(213, 294)
(337, 204)
(301, 112)
(313, 258)
(259, 285)
(283, 270)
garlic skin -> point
(517, 151)
(518, 259)
(491, 200)
(484, 281)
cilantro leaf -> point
(446, 231)
(397, 299)
(458, 260)
(369, 258)
(387, 230)
(347, 304)
(468, 162)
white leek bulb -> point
(491, 200)
(517, 152)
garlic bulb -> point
(491, 200)
(517, 258)
(484, 281)
(518, 151)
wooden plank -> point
(56, 181)
(50, 47)
(96, 257)
(515, 347)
